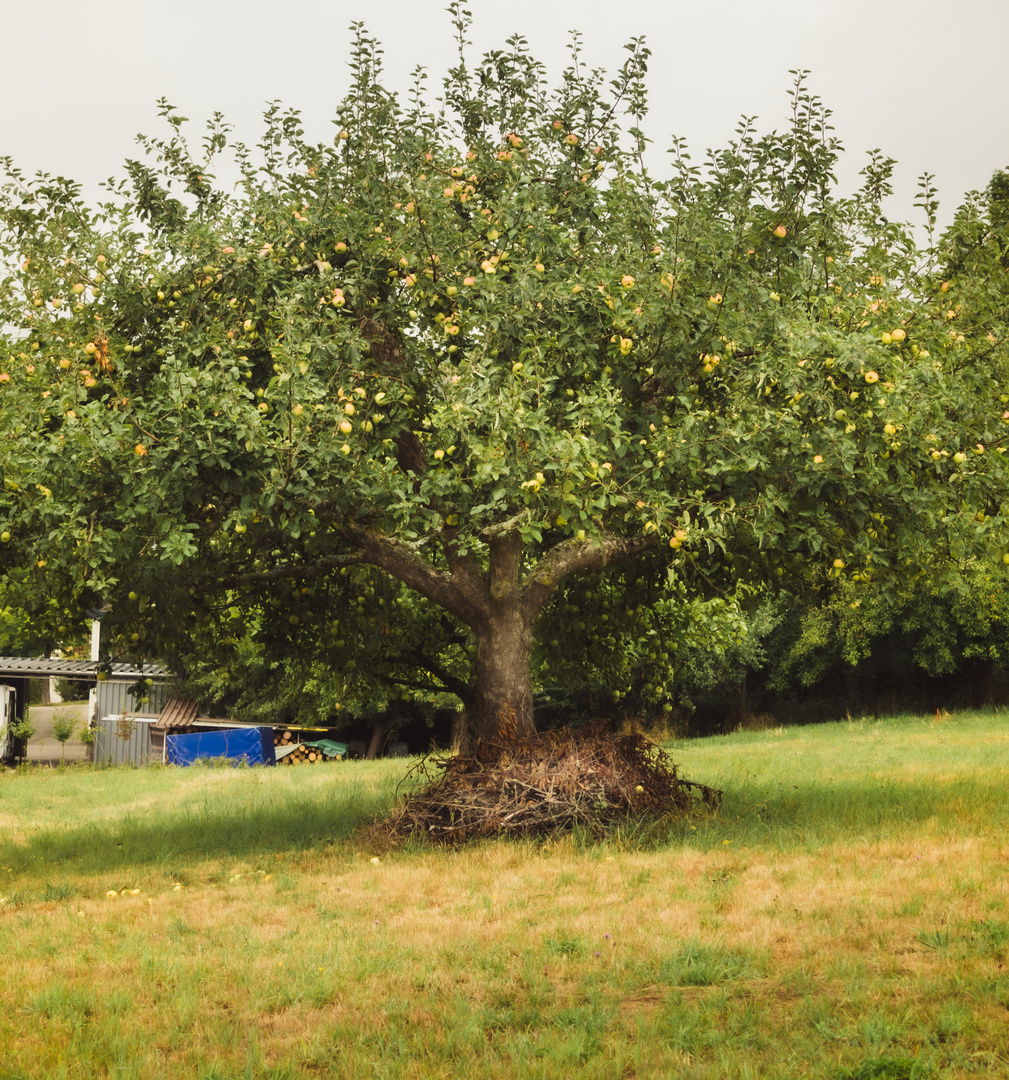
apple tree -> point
(397, 398)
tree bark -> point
(376, 744)
(979, 677)
(499, 705)
(499, 702)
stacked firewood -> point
(298, 754)
(303, 755)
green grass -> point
(91, 820)
(845, 915)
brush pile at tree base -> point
(545, 784)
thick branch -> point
(572, 555)
(403, 563)
(503, 527)
(505, 564)
(467, 573)
(448, 681)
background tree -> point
(475, 354)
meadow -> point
(844, 915)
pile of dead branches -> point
(546, 784)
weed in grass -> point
(935, 939)
(989, 937)
(953, 1021)
(697, 964)
(304, 989)
(179, 929)
(879, 1031)
(999, 990)
(63, 891)
(563, 946)
(887, 1068)
(911, 907)
(58, 1001)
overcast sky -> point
(925, 81)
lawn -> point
(845, 915)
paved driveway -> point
(43, 745)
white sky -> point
(923, 80)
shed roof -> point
(178, 713)
(59, 667)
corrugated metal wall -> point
(112, 701)
(110, 746)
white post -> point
(96, 636)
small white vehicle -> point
(8, 744)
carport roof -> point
(58, 667)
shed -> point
(110, 695)
(136, 735)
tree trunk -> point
(499, 703)
(499, 706)
(376, 744)
(495, 600)
(979, 677)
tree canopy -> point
(394, 399)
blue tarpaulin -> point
(255, 745)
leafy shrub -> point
(71, 689)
